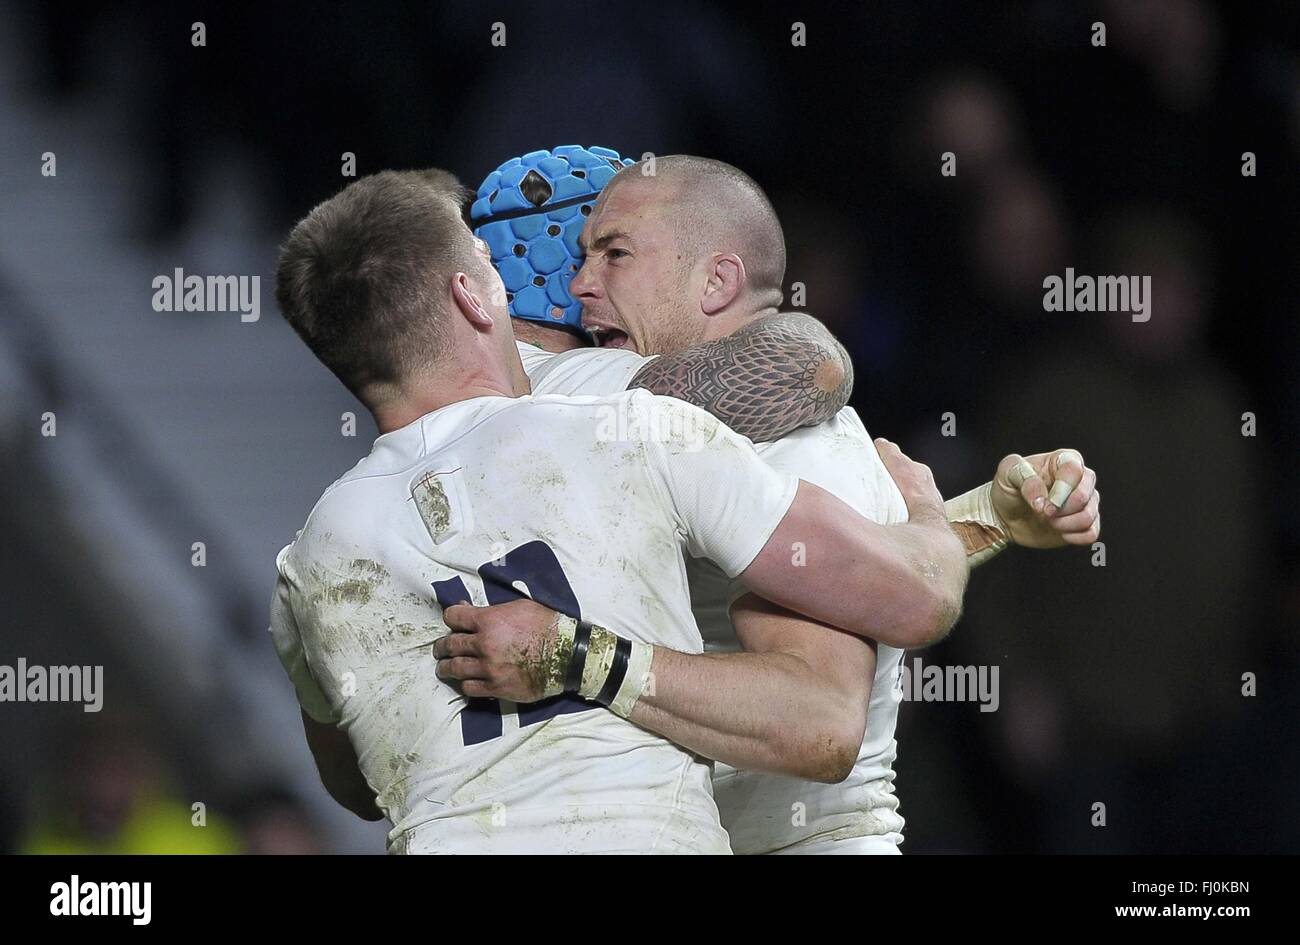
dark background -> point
(1120, 684)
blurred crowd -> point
(109, 790)
(1121, 684)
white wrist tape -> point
(975, 520)
(598, 664)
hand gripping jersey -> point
(766, 813)
(587, 505)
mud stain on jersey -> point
(552, 479)
(356, 586)
(400, 764)
(420, 600)
(349, 591)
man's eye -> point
(615, 253)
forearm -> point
(928, 552)
(349, 794)
(336, 763)
(776, 710)
(901, 585)
(776, 374)
(982, 531)
(758, 711)
(794, 703)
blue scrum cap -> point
(530, 211)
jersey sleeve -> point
(288, 646)
(840, 457)
(595, 372)
(726, 501)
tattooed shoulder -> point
(774, 375)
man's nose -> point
(584, 285)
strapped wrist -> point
(977, 523)
(601, 665)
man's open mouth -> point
(609, 337)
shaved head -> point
(713, 207)
(678, 251)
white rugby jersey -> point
(589, 371)
(758, 809)
(585, 504)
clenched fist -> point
(1048, 500)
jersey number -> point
(535, 566)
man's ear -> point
(468, 302)
(726, 281)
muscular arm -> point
(901, 585)
(778, 373)
(336, 761)
(794, 702)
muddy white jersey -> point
(764, 813)
(588, 505)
